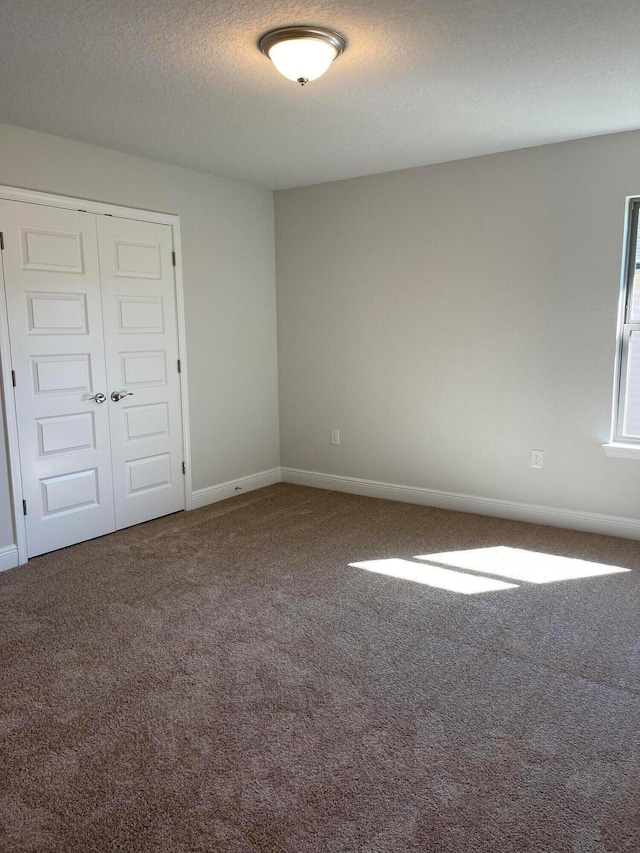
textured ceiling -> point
(422, 81)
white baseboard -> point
(203, 497)
(591, 522)
(8, 557)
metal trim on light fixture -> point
(267, 41)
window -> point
(626, 426)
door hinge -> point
(173, 258)
(24, 507)
(13, 378)
(179, 367)
(184, 468)
(1, 240)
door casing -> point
(11, 421)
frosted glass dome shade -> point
(302, 59)
(302, 53)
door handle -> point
(98, 398)
(116, 396)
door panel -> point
(57, 313)
(69, 492)
(140, 327)
(48, 250)
(139, 315)
(65, 373)
(57, 347)
(66, 433)
(146, 421)
(142, 368)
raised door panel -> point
(149, 420)
(137, 259)
(140, 323)
(49, 250)
(66, 433)
(57, 313)
(69, 492)
(57, 348)
(143, 369)
(61, 374)
(139, 315)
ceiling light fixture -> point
(302, 53)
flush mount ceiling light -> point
(302, 53)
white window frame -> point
(620, 444)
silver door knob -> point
(98, 398)
(116, 396)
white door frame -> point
(11, 420)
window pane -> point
(632, 395)
(634, 316)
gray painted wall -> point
(229, 269)
(446, 319)
(449, 319)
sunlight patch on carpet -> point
(520, 565)
(434, 576)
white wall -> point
(449, 319)
(229, 269)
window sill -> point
(622, 451)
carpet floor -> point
(225, 680)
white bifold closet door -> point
(141, 342)
(93, 337)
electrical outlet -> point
(536, 458)
(335, 436)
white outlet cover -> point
(537, 458)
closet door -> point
(140, 327)
(52, 281)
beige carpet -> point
(224, 680)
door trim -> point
(101, 209)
